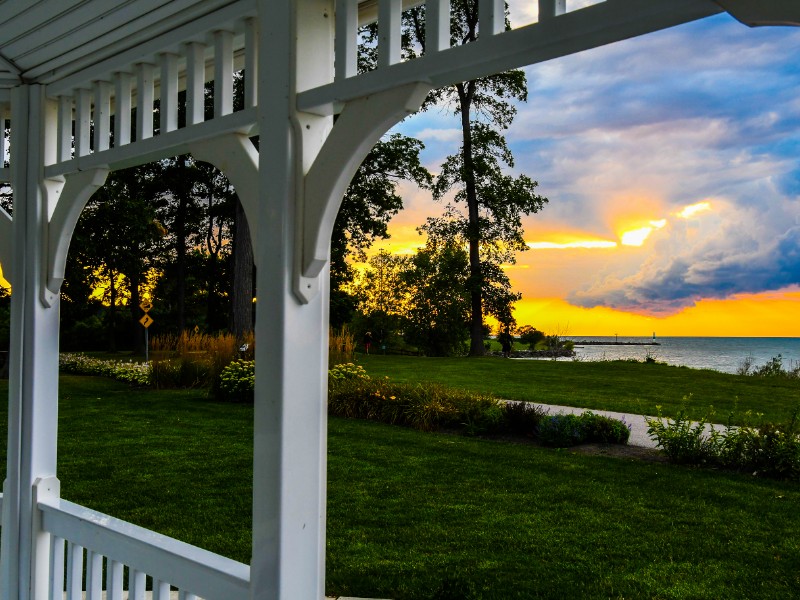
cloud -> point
(440, 135)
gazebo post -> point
(33, 373)
(290, 437)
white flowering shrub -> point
(135, 373)
(237, 381)
(347, 371)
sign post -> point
(146, 321)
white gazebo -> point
(67, 66)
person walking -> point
(367, 341)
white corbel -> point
(5, 244)
(359, 126)
(68, 196)
(763, 12)
(237, 158)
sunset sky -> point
(672, 165)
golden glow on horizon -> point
(745, 315)
(694, 209)
(575, 244)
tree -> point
(370, 202)
(493, 202)
(530, 336)
(437, 313)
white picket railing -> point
(83, 539)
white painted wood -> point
(763, 12)
(113, 579)
(161, 590)
(551, 8)
(5, 245)
(70, 200)
(94, 575)
(137, 584)
(360, 125)
(162, 146)
(575, 31)
(57, 569)
(2, 135)
(389, 12)
(144, 101)
(169, 92)
(491, 17)
(223, 73)
(144, 46)
(437, 25)
(123, 90)
(74, 572)
(235, 156)
(64, 128)
(250, 63)
(33, 370)
(214, 577)
(290, 409)
(102, 115)
(346, 38)
(195, 83)
(83, 122)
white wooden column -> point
(33, 373)
(290, 446)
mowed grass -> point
(410, 513)
(632, 387)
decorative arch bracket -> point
(763, 12)
(360, 125)
(5, 244)
(66, 197)
(237, 158)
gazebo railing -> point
(83, 539)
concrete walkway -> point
(637, 423)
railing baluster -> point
(122, 104)
(551, 8)
(491, 17)
(113, 580)
(94, 576)
(74, 572)
(64, 128)
(160, 590)
(195, 83)
(83, 122)
(102, 115)
(223, 73)
(250, 63)
(437, 25)
(137, 583)
(2, 136)
(346, 39)
(56, 567)
(144, 101)
(169, 92)
(389, 13)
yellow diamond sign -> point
(146, 305)
(146, 321)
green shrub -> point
(522, 418)
(347, 371)
(561, 431)
(604, 430)
(237, 381)
(681, 439)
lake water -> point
(724, 354)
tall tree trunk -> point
(242, 289)
(137, 331)
(180, 243)
(465, 94)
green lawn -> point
(410, 512)
(621, 386)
